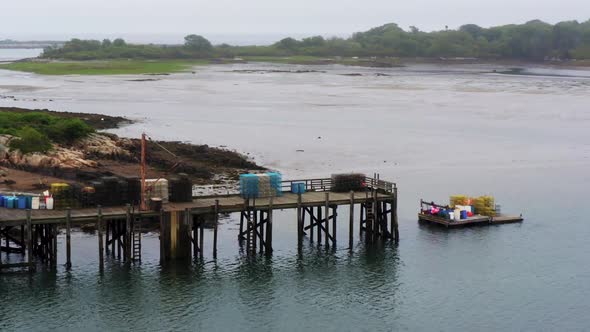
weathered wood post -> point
(128, 234)
(162, 238)
(299, 222)
(327, 212)
(396, 224)
(269, 227)
(319, 224)
(261, 233)
(351, 221)
(100, 244)
(108, 233)
(54, 231)
(334, 217)
(216, 222)
(68, 238)
(201, 237)
(29, 241)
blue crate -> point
(249, 186)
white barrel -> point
(452, 215)
(49, 203)
(35, 203)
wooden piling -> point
(327, 223)
(100, 243)
(334, 216)
(299, 222)
(128, 234)
(216, 222)
(162, 238)
(269, 227)
(68, 238)
(319, 219)
(261, 226)
(351, 221)
(29, 241)
(394, 211)
(201, 237)
(54, 232)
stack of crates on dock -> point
(348, 182)
(157, 188)
(133, 189)
(181, 189)
(261, 185)
(459, 200)
(63, 196)
(249, 185)
(485, 205)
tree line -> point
(534, 40)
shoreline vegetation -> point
(565, 43)
(88, 154)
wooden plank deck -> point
(471, 221)
(227, 204)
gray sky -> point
(221, 20)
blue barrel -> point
(29, 202)
(22, 202)
(463, 214)
(1, 201)
(10, 202)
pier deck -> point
(227, 204)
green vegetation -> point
(381, 46)
(30, 140)
(36, 131)
(106, 67)
(534, 40)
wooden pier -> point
(33, 233)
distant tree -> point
(119, 42)
(289, 44)
(197, 43)
(106, 43)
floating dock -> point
(33, 233)
(476, 220)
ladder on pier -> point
(136, 239)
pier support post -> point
(68, 239)
(201, 237)
(216, 222)
(299, 222)
(29, 241)
(175, 242)
(319, 217)
(100, 244)
(327, 224)
(128, 234)
(269, 227)
(394, 216)
(351, 221)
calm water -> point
(17, 54)
(433, 130)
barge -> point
(473, 220)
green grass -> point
(107, 67)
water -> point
(434, 130)
(17, 54)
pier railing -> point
(316, 185)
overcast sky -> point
(218, 18)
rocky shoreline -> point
(102, 154)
